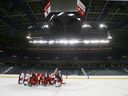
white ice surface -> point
(73, 87)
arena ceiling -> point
(16, 16)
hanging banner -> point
(81, 8)
(47, 8)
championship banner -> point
(81, 8)
(47, 8)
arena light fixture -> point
(109, 37)
(57, 41)
(30, 42)
(51, 42)
(29, 27)
(28, 37)
(95, 41)
(34, 41)
(102, 26)
(104, 41)
(45, 26)
(60, 14)
(79, 19)
(71, 14)
(74, 41)
(51, 17)
(86, 41)
(71, 41)
(63, 41)
(42, 41)
(86, 26)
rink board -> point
(73, 77)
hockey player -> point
(42, 79)
(31, 80)
(36, 79)
(21, 78)
(52, 79)
(26, 79)
(39, 78)
(58, 79)
(46, 78)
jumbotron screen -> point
(63, 5)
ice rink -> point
(73, 87)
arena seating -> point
(69, 71)
(106, 71)
(3, 68)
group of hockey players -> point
(36, 79)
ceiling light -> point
(57, 42)
(28, 37)
(103, 26)
(45, 26)
(95, 41)
(60, 14)
(109, 37)
(71, 14)
(104, 41)
(29, 27)
(30, 41)
(34, 42)
(63, 41)
(86, 41)
(52, 17)
(73, 41)
(42, 41)
(79, 19)
(86, 26)
(51, 42)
